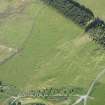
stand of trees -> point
(72, 10)
(54, 92)
(48, 93)
(96, 30)
(81, 16)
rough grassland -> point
(98, 7)
(58, 53)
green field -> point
(57, 53)
(96, 7)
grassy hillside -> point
(57, 53)
(96, 6)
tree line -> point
(96, 30)
(82, 16)
(53, 92)
(48, 93)
(79, 14)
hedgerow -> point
(72, 10)
(96, 31)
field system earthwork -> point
(52, 52)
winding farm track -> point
(85, 97)
(17, 11)
(10, 11)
